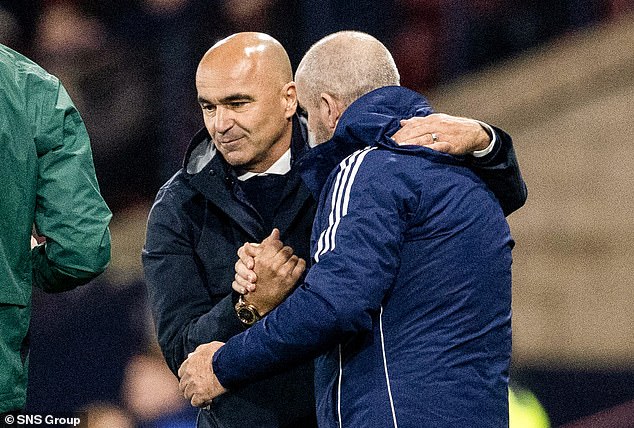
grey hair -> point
(346, 65)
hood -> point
(370, 120)
(375, 116)
(199, 152)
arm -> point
(280, 270)
(341, 295)
(185, 312)
(498, 169)
(70, 211)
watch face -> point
(247, 316)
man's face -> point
(246, 113)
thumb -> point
(250, 250)
(271, 244)
(274, 236)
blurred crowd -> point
(129, 66)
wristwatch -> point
(247, 313)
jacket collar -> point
(217, 181)
(370, 120)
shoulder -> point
(375, 176)
(380, 167)
(173, 196)
(177, 186)
(26, 71)
(26, 79)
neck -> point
(274, 154)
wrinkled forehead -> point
(244, 75)
(217, 67)
(217, 81)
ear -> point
(330, 110)
(289, 93)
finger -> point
(182, 386)
(418, 120)
(415, 122)
(286, 268)
(182, 369)
(252, 250)
(243, 283)
(403, 135)
(419, 123)
(299, 269)
(426, 124)
(275, 233)
(417, 140)
(244, 272)
(412, 130)
(238, 288)
(274, 236)
(417, 135)
(270, 249)
(281, 257)
(198, 400)
(189, 391)
(441, 146)
(246, 254)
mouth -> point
(228, 141)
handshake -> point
(275, 270)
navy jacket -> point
(199, 220)
(408, 303)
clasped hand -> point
(276, 270)
(270, 265)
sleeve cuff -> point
(489, 149)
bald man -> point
(240, 180)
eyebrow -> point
(228, 99)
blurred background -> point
(557, 75)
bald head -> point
(255, 54)
(346, 65)
(248, 99)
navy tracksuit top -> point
(407, 308)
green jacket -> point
(47, 180)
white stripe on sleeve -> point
(340, 200)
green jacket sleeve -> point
(70, 211)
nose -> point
(223, 120)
